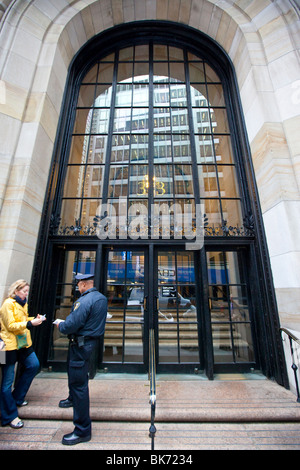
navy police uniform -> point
(84, 326)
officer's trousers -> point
(78, 369)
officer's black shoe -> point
(65, 403)
(72, 439)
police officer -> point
(84, 325)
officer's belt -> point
(80, 340)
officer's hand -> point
(57, 322)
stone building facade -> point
(39, 40)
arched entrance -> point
(152, 195)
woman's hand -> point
(38, 320)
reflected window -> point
(157, 127)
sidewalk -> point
(191, 413)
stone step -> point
(233, 412)
(176, 437)
(194, 399)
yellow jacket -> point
(13, 321)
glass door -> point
(125, 291)
(177, 316)
(165, 298)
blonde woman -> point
(15, 332)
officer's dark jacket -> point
(87, 316)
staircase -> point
(222, 331)
(232, 412)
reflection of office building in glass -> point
(118, 139)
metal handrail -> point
(294, 365)
(152, 378)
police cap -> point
(84, 277)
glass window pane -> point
(93, 184)
(234, 266)
(133, 342)
(211, 75)
(162, 120)
(160, 71)
(140, 120)
(168, 349)
(243, 343)
(97, 149)
(103, 96)
(186, 272)
(124, 94)
(86, 96)
(138, 218)
(199, 95)
(141, 53)
(232, 212)
(125, 71)
(160, 52)
(116, 275)
(79, 149)
(106, 71)
(161, 95)
(201, 120)
(182, 149)
(126, 54)
(204, 149)
(139, 148)
(196, 71)
(100, 121)
(70, 211)
(162, 148)
(213, 215)
(183, 180)
(223, 149)
(239, 303)
(122, 120)
(216, 270)
(118, 181)
(177, 72)
(222, 343)
(141, 72)
(219, 121)
(208, 181)
(135, 274)
(141, 95)
(215, 95)
(74, 181)
(175, 53)
(90, 208)
(180, 120)
(113, 339)
(139, 180)
(163, 181)
(83, 121)
(178, 95)
(120, 148)
(218, 301)
(227, 181)
(188, 341)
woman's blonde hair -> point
(16, 286)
